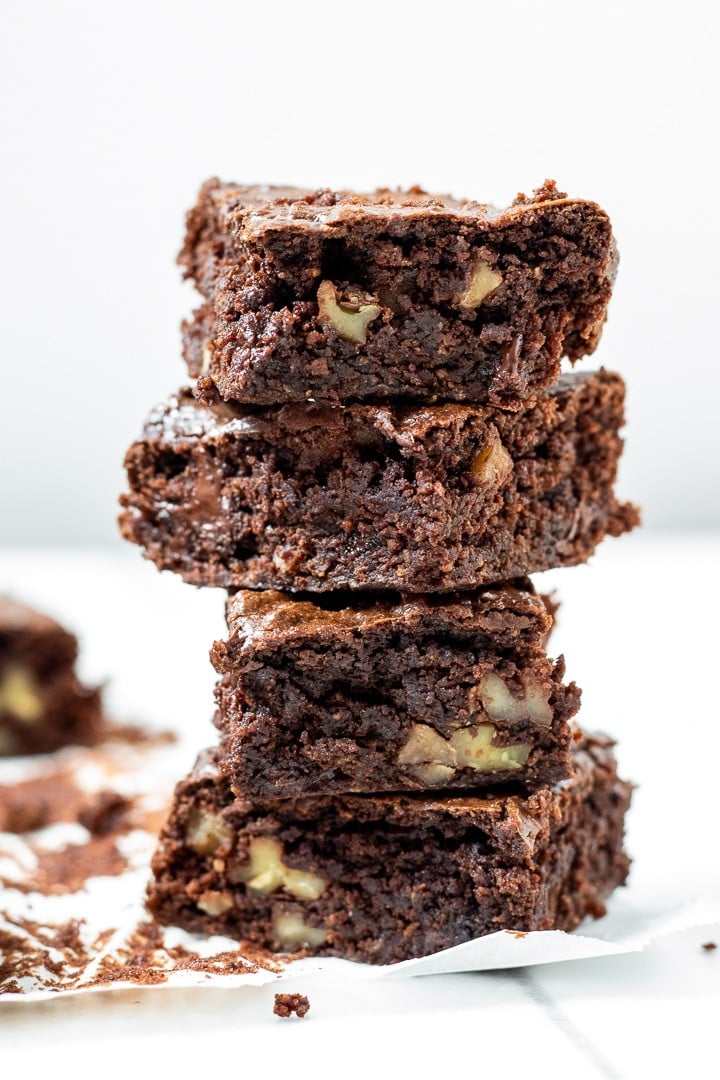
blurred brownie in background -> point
(43, 705)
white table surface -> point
(639, 631)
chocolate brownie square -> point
(381, 878)
(420, 499)
(369, 693)
(43, 706)
(336, 296)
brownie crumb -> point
(287, 1004)
(106, 813)
(710, 946)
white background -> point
(113, 114)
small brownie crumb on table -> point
(386, 878)
(428, 499)
(287, 1004)
(43, 706)
(337, 296)
(328, 692)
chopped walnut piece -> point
(425, 744)
(435, 760)
(492, 465)
(500, 703)
(206, 832)
(265, 872)
(20, 695)
(475, 750)
(349, 315)
(215, 902)
(483, 281)
(292, 930)
(433, 774)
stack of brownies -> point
(377, 448)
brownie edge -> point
(386, 878)
(333, 693)
(429, 499)
(337, 296)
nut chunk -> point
(43, 706)
(265, 872)
(386, 693)
(483, 281)
(349, 316)
(405, 875)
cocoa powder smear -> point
(77, 831)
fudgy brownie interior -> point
(337, 296)
(381, 879)
(382, 693)
(43, 706)
(423, 499)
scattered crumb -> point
(146, 960)
(66, 870)
(710, 946)
(287, 1004)
(105, 813)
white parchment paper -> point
(108, 915)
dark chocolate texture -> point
(344, 693)
(425, 499)
(385, 878)
(336, 296)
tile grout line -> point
(582, 1043)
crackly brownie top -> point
(269, 617)
(248, 211)
(182, 417)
